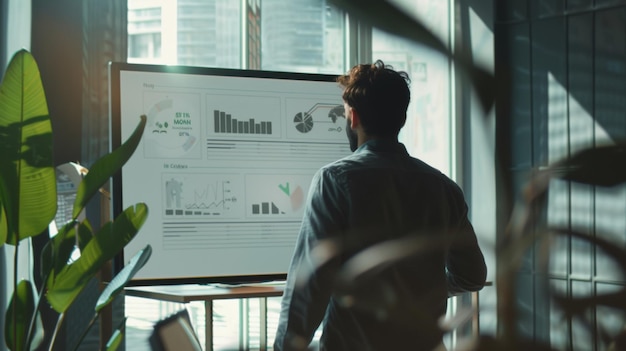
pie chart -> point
(303, 122)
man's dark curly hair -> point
(380, 95)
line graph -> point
(216, 195)
(201, 195)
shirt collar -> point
(382, 145)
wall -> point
(563, 67)
(73, 43)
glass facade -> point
(295, 36)
(144, 31)
(301, 36)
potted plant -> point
(28, 203)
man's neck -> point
(363, 138)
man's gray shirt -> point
(377, 195)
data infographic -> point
(224, 165)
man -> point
(378, 196)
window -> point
(146, 45)
(297, 36)
(144, 32)
(427, 133)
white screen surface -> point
(224, 165)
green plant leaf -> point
(106, 167)
(27, 182)
(18, 317)
(603, 165)
(85, 234)
(3, 226)
(123, 277)
(57, 252)
(107, 243)
(115, 341)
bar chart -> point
(266, 208)
(281, 195)
(225, 123)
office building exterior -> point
(297, 35)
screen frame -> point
(115, 70)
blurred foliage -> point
(600, 166)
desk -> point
(208, 293)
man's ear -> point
(355, 120)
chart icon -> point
(282, 195)
(303, 122)
(324, 117)
(336, 112)
(172, 126)
(225, 123)
(200, 195)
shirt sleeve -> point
(310, 276)
(465, 264)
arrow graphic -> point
(284, 188)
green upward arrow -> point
(284, 188)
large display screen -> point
(224, 165)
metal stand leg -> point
(263, 324)
(475, 317)
(244, 324)
(208, 328)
